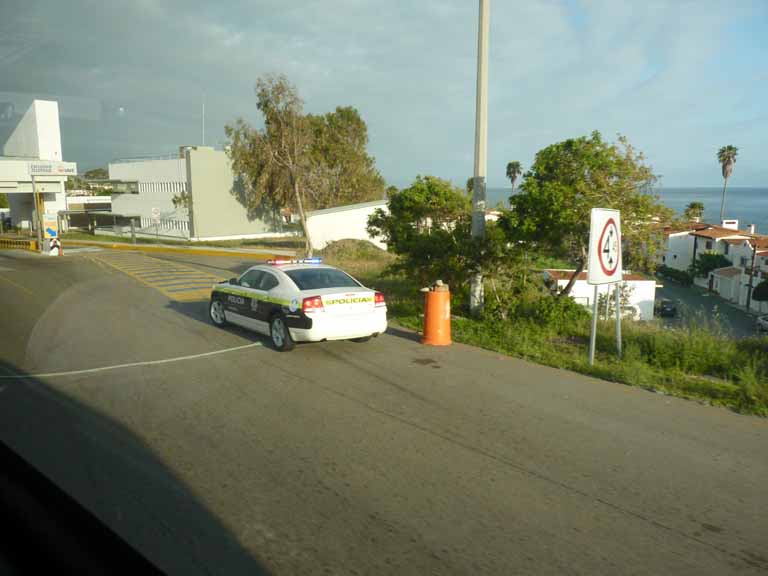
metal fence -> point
(165, 223)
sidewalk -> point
(255, 253)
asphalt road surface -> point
(697, 304)
(213, 454)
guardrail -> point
(19, 244)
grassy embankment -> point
(697, 361)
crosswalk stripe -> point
(176, 281)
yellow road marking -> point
(19, 286)
(168, 279)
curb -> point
(208, 251)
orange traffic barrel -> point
(437, 315)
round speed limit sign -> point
(609, 250)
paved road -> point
(341, 458)
(698, 304)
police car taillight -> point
(312, 304)
(378, 299)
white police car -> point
(299, 301)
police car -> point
(299, 301)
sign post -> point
(604, 265)
(156, 219)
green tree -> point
(96, 174)
(570, 178)
(3, 200)
(428, 226)
(727, 158)
(274, 164)
(708, 261)
(470, 186)
(760, 293)
(342, 171)
(514, 169)
(694, 211)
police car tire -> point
(286, 343)
(223, 322)
(361, 339)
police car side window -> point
(268, 281)
(251, 279)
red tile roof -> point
(728, 271)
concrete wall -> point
(342, 223)
(643, 294)
(37, 135)
(216, 212)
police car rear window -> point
(316, 279)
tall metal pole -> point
(203, 118)
(481, 159)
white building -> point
(210, 203)
(641, 290)
(33, 149)
(342, 223)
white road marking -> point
(130, 365)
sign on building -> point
(52, 168)
(604, 247)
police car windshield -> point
(318, 278)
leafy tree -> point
(694, 211)
(96, 174)
(428, 226)
(760, 293)
(708, 261)
(727, 158)
(514, 169)
(342, 171)
(3, 200)
(570, 178)
(470, 186)
(274, 164)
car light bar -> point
(303, 261)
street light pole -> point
(481, 159)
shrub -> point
(681, 276)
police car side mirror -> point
(234, 281)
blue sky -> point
(678, 78)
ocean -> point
(747, 205)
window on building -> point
(674, 257)
(743, 261)
(663, 258)
(727, 247)
(709, 245)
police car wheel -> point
(281, 337)
(217, 313)
(362, 339)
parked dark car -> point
(666, 308)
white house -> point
(642, 290)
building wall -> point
(37, 135)
(345, 222)
(643, 294)
(679, 251)
(159, 181)
(216, 211)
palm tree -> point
(727, 158)
(514, 169)
(694, 210)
